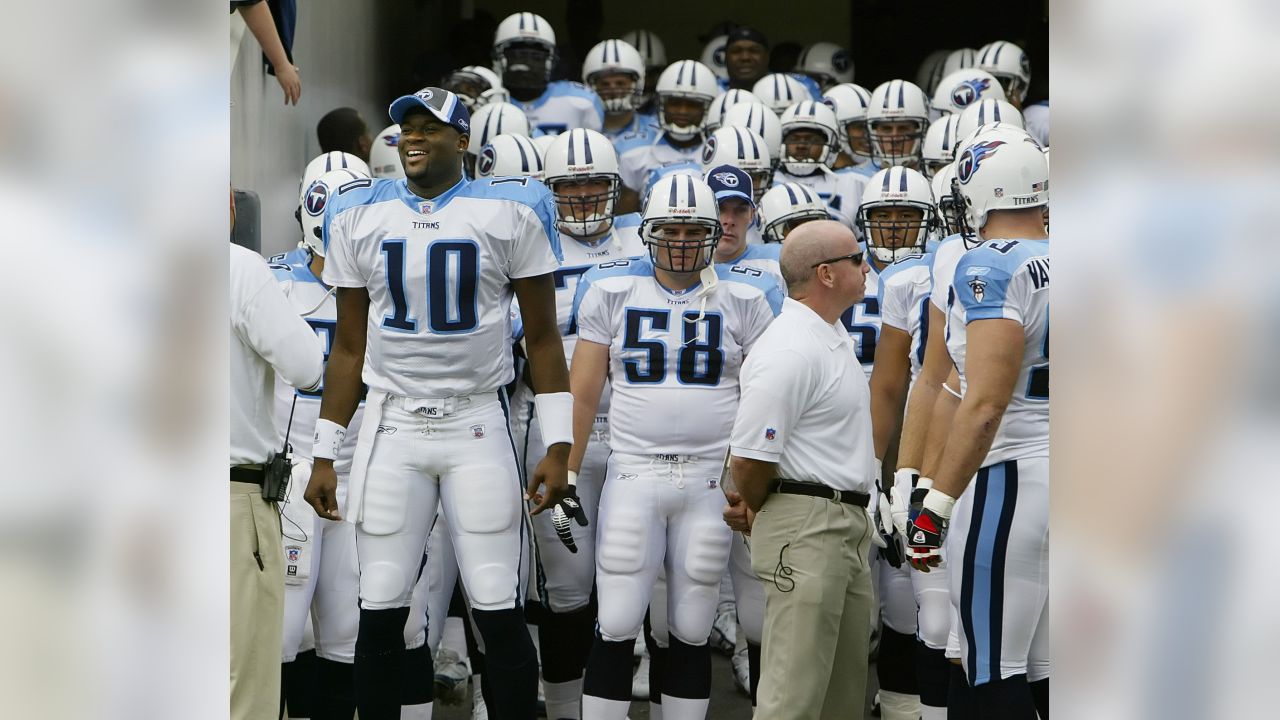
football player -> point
(810, 143)
(1010, 66)
(615, 71)
(524, 52)
(989, 490)
(721, 105)
(425, 269)
(655, 61)
(963, 88)
(897, 217)
(684, 92)
(788, 206)
(897, 118)
(732, 187)
(747, 61)
(490, 121)
(827, 64)
(742, 148)
(756, 117)
(850, 104)
(476, 87)
(320, 574)
(939, 145)
(510, 156)
(582, 173)
(674, 393)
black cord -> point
(286, 451)
(784, 571)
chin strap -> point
(709, 281)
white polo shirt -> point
(267, 337)
(806, 404)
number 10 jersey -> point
(439, 277)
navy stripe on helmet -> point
(680, 73)
(902, 90)
(534, 19)
(671, 201)
(999, 47)
(902, 173)
(995, 111)
(524, 159)
(689, 182)
(776, 92)
(791, 194)
(755, 147)
(808, 194)
(693, 73)
(786, 85)
(885, 186)
(522, 20)
(572, 154)
(742, 146)
(586, 145)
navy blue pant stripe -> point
(998, 563)
(966, 572)
(515, 456)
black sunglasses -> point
(855, 257)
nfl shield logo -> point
(770, 434)
(426, 208)
(999, 192)
(293, 552)
(477, 431)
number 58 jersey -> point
(439, 277)
(674, 357)
(1009, 280)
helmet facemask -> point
(585, 214)
(818, 149)
(855, 141)
(897, 141)
(681, 245)
(525, 65)
(468, 86)
(896, 230)
(619, 91)
(778, 230)
(690, 126)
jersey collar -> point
(435, 204)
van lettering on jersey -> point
(1039, 271)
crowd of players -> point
(648, 165)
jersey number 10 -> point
(453, 275)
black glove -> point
(568, 507)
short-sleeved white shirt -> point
(806, 404)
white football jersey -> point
(862, 320)
(315, 303)
(621, 243)
(1036, 118)
(842, 191)
(673, 358)
(439, 276)
(904, 302)
(563, 106)
(763, 257)
(641, 125)
(945, 258)
(1008, 279)
(639, 154)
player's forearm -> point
(342, 386)
(752, 478)
(972, 431)
(586, 388)
(940, 424)
(258, 19)
(547, 367)
(915, 426)
(888, 398)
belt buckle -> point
(834, 493)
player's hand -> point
(290, 83)
(906, 477)
(322, 490)
(552, 476)
(736, 514)
(568, 507)
(927, 522)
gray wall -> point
(336, 46)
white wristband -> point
(328, 439)
(939, 502)
(555, 417)
(573, 478)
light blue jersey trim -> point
(984, 273)
(628, 220)
(763, 281)
(914, 261)
(617, 268)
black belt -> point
(252, 474)
(795, 487)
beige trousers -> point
(257, 605)
(811, 555)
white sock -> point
(416, 712)
(899, 706)
(684, 708)
(598, 708)
(563, 699)
(454, 636)
(929, 712)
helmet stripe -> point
(787, 86)
(776, 92)
(902, 173)
(572, 152)
(902, 91)
(524, 159)
(586, 145)
(534, 19)
(522, 20)
(999, 47)
(995, 111)
(791, 193)
(808, 195)
(742, 146)
(689, 182)
(498, 130)
(885, 186)
(755, 147)
(680, 74)
(671, 201)
(693, 73)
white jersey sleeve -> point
(904, 303)
(945, 259)
(1008, 280)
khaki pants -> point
(257, 605)
(811, 555)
